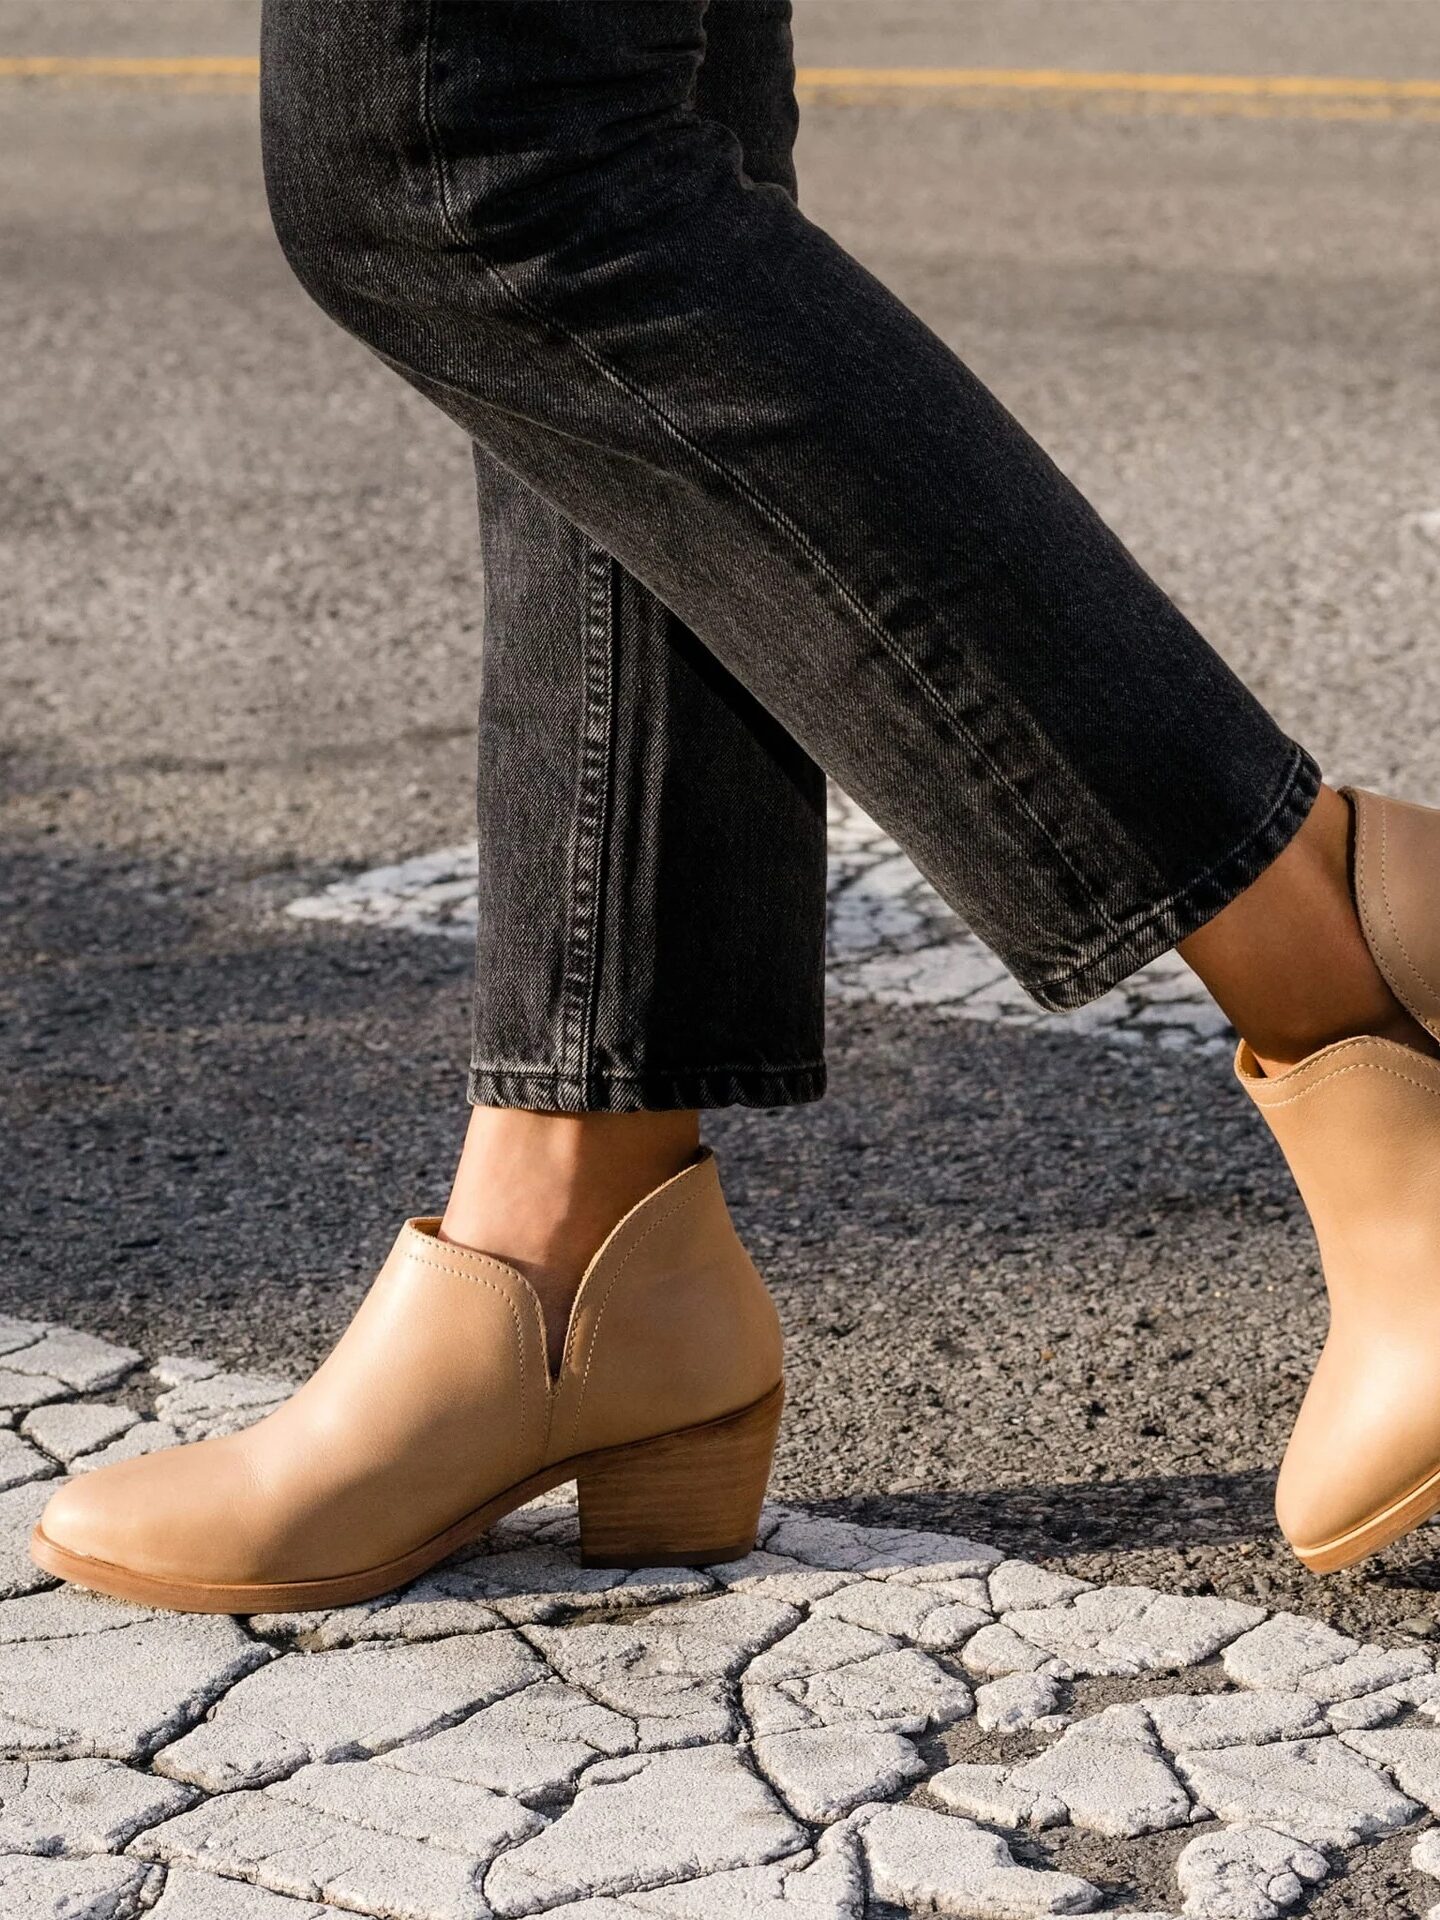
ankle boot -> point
(1359, 1124)
(436, 1415)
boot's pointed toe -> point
(1363, 1464)
(193, 1526)
(436, 1414)
(93, 1517)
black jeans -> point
(745, 517)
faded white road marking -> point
(892, 940)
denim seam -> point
(1298, 763)
(580, 986)
(772, 516)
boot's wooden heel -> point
(687, 1499)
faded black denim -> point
(744, 516)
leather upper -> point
(1359, 1124)
(438, 1398)
(672, 1324)
(1397, 890)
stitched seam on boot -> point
(1363, 837)
(1361, 1066)
(1405, 955)
(609, 1293)
(424, 1260)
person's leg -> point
(521, 209)
(652, 846)
(651, 939)
(895, 568)
(540, 232)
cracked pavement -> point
(850, 1722)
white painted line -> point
(892, 940)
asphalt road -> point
(1057, 1295)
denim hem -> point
(543, 1090)
(1183, 913)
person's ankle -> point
(1277, 1052)
(542, 1191)
(1288, 959)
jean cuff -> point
(542, 1090)
(1174, 919)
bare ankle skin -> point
(1287, 961)
(541, 1191)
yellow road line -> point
(1313, 96)
(1166, 105)
(68, 67)
(1061, 80)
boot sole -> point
(1381, 1530)
(690, 1498)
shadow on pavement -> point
(1161, 1510)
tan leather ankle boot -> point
(435, 1415)
(1359, 1124)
